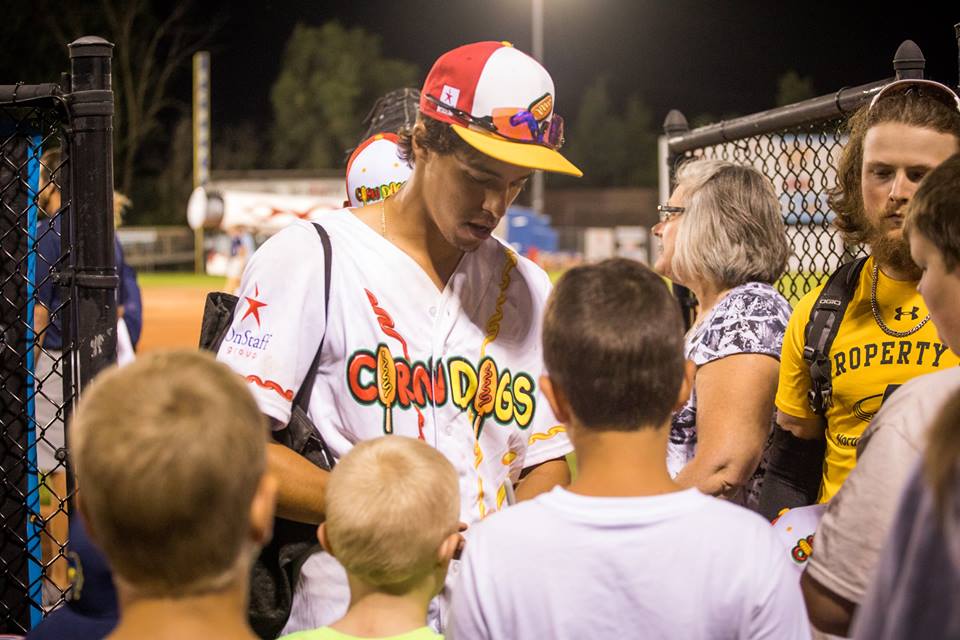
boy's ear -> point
(555, 398)
(449, 548)
(686, 388)
(262, 510)
(419, 151)
(322, 538)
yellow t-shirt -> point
(866, 365)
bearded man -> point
(884, 338)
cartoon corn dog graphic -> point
(486, 391)
(386, 385)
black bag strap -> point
(302, 399)
(822, 328)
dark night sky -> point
(699, 56)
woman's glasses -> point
(668, 213)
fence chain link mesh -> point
(37, 388)
(801, 162)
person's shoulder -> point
(803, 306)
(334, 222)
(528, 269)
(502, 533)
(912, 407)
(756, 301)
(919, 388)
(518, 517)
(728, 521)
(323, 633)
(300, 239)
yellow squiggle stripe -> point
(549, 434)
(508, 457)
(493, 324)
(480, 496)
(493, 330)
(501, 496)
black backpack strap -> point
(822, 328)
(302, 399)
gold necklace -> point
(875, 308)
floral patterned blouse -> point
(751, 318)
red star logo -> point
(254, 308)
(447, 96)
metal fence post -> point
(94, 276)
(956, 33)
(908, 61)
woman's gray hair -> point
(732, 231)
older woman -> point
(723, 237)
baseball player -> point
(433, 330)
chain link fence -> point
(801, 163)
(55, 235)
(798, 147)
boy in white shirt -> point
(623, 551)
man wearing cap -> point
(433, 328)
(884, 337)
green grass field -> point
(800, 282)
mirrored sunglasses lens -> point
(555, 132)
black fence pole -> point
(956, 33)
(93, 279)
(908, 61)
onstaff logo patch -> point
(254, 305)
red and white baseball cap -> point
(500, 101)
(375, 171)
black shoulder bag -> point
(822, 328)
(277, 569)
(795, 465)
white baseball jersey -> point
(458, 368)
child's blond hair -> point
(391, 502)
(168, 453)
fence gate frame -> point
(78, 111)
(679, 143)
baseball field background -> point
(173, 307)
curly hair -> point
(846, 198)
(434, 135)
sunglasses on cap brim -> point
(920, 89)
(516, 124)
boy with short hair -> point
(393, 509)
(170, 459)
(623, 551)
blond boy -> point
(393, 508)
(170, 457)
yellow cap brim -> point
(521, 154)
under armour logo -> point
(914, 313)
